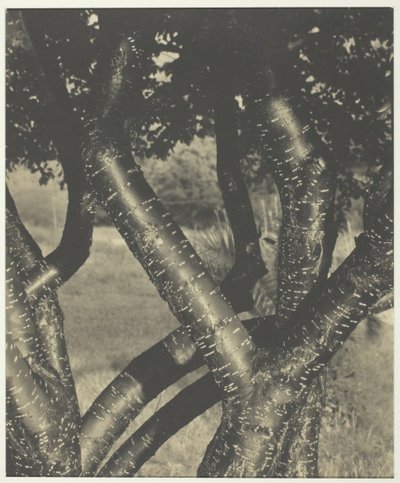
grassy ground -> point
(113, 313)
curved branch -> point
(64, 125)
(144, 378)
(46, 311)
(122, 400)
(327, 316)
(297, 360)
(158, 242)
(288, 355)
(177, 413)
(303, 174)
(306, 185)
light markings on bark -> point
(245, 408)
(41, 400)
(261, 389)
(142, 380)
(307, 237)
(182, 409)
(39, 407)
(165, 253)
(326, 317)
(308, 424)
(307, 191)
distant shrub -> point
(187, 181)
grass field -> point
(112, 313)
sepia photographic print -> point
(199, 242)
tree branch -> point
(46, 311)
(39, 408)
(328, 315)
(304, 176)
(385, 303)
(177, 413)
(157, 241)
(277, 343)
(144, 378)
(249, 266)
(64, 125)
(297, 364)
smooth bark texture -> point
(123, 399)
(253, 447)
(178, 412)
(159, 244)
(47, 311)
(129, 203)
(144, 378)
(304, 176)
(265, 373)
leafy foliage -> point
(337, 62)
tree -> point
(283, 84)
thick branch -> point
(293, 358)
(303, 173)
(46, 311)
(144, 378)
(307, 190)
(38, 406)
(159, 244)
(328, 315)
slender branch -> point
(149, 374)
(122, 400)
(64, 125)
(385, 303)
(249, 266)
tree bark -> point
(42, 410)
(64, 125)
(251, 444)
(303, 173)
(157, 241)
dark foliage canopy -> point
(339, 59)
